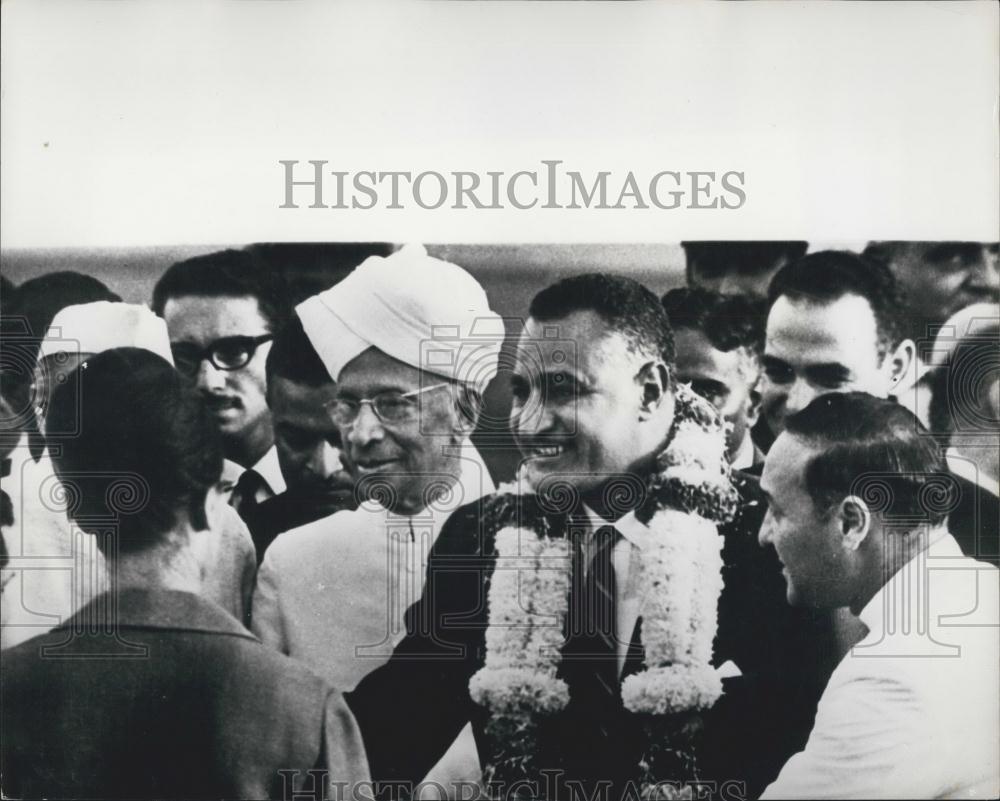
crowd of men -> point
(246, 545)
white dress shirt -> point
(913, 711)
(744, 456)
(627, 559)
(267, 467)
(964, 467)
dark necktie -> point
(244, 497)
(590, 656)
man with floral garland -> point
(572, 616)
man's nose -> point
(800, 395)
(209, 377)
(532, 418)
(764, 535)
(366, 427)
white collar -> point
(269, 469)
(473, 483)
(964, 467)
(628, 526)
(743, 458)
(873, 614)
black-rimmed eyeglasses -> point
(225, 353)
(389, 407)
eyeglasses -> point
(389, 407)
(225, 353)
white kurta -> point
(333, 593)
(912, 710)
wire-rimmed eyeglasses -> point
(225, 353)
(389, 407)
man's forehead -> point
(784, 464)
(695, 354)
(815, 332)
(567, 343)
(288, 392)
(375, 370)
(194, 316)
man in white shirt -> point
(222, 310)
(858, 498)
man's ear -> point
(901, 361)
(468, 407)
(855, 521)
(753, 404)
(654, 382)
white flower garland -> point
(681, 566)
(527, 597)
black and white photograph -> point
(500, 400)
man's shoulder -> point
(471, 529)
(320, 538)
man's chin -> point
(230, 421)
(564, 483)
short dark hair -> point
(727, 321)
(623, 303)
(146, 447)
(227, 274)
(753, 257)
(38, 300)
(292, 356)
(829, 275)
(876, 449)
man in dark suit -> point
(152, 691)
(310, 450)
(719, 341)
(593, 406)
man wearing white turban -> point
(412, 343)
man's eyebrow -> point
(377, 390)
(774, 361)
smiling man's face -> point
(399, 455)
(806, 537)
(815, 348)
(576, 401)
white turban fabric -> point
(420, 310)
(101, 326)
